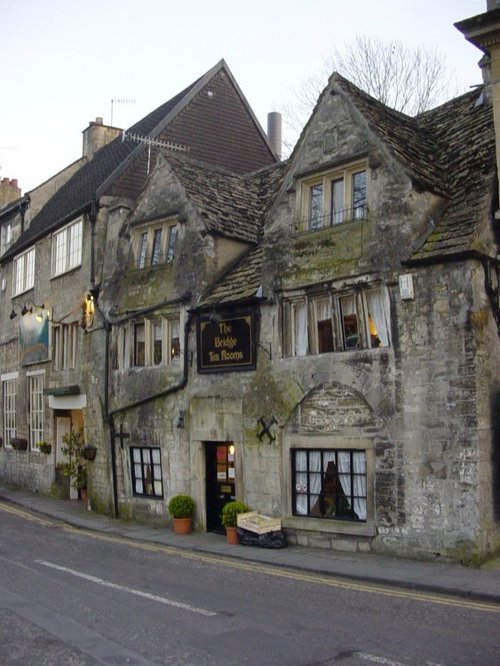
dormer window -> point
(333, 198)
(5, 237)
(155, 244)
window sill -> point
(330, 526)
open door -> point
(220, 481)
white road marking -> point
(123, 588)
(379, 660)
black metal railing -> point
(331, 219)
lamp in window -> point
(88, 309)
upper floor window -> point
(149, 342)
(326, 322)
(5, 237)
(155, 244)
(67, 248)
(24, 272)
(333, 198)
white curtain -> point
(359, 479)
(376, 310)
(301, 346)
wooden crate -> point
(256, 522)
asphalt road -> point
(73, 598)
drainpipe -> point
(110, 415)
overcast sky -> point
(63, 61)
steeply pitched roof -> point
(230, 205)
(106, 172)
(449, 150)
(465, 137)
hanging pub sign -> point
(34, 338)
(226, 344)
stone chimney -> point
(97, 135)
(9, 191)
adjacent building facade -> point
(317, 337)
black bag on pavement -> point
(275, 539)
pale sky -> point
(63, 61)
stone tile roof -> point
(230, 205)
(465, 137)
(412, 144)
(450, 151)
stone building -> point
(318, 337)
(56, 246)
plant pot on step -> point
(232, 535)
(182, 525)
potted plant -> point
(45, 447)
(181, 508)
(229, 518)
(74, 466)
(19, 443)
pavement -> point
(447, 578)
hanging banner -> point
(34, 342)
(226, 344)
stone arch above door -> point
(334, 408)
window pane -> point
(350, 330)
(301, 339)
(141, 254)
(75, 245)
(139, 345)
(175, 343)
(146, 471)
(359, 194)
(324, 325)
(377, 322)
(338, 201)
(316, 207)
(156, 254)
(157, 342)
(172, 242)
(30, 269)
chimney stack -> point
(9, 191)
(97, 135)
(274, 131)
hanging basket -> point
(45, 447)
(19, 443)
(89, 452)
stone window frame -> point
(328, 441)
(351, 210)
(146, 252)
(309, 301)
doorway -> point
(220, 481)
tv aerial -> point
(120, 100)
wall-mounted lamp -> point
(27, 308)
(88, 309)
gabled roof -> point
(230, 205)
(409, 141)
(465, 137)
(110, 163)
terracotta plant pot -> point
(232, 535)
(182, 525)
